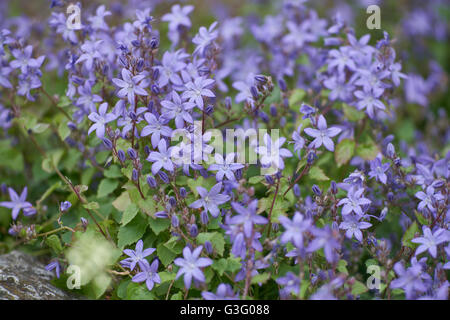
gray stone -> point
(23, 277)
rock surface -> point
(23, 277)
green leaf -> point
(423, 221)
(113, 172)
(344, 151)
(165, 254)
(40, 127)
(216, 239)
(54, 243)
(122, 202)
(367, 150)
(63, 130)
(107, 186)
(177, 296)
(129, 213)
(91, 205)
(317, 174)
(342, 266)
(139, 291)
(132, 232)
(358, 288)
(230, 265)
(158, 225)
(255, 179)
(409, 235)
(295, 98)
(166, 276)
(260, 278)
(352, 114)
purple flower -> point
(87, 99)
(341, 59)
(322, 134)
(195, 91)
(190, 265)
(64, 206)
(290, 283)
(369, 100)
(156, 127)
(377, 170)
(177, 110)
(294, 229)
(100, 119)
(130, 86)
(91, 52)
(353, 226)
(171, 64)
(178, 17)
(225, 167)
(223, 292)
(427, 199)
(24, 59)
(354, 201)
(28, 82)
(325, 238)
(17, 203)
(412, 279)
(204, 38)
(430, 240)
(138, 255)
(272, 153)
(299, 142)
(148, 274)
(161, 159)
(247, 217)
(210, 200)
(97, 21)
(245, 93)
(54, 265)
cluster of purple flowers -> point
(138, 91)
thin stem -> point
(55, 104)
(297, 179)
(271, 207)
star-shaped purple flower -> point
(101, 119)
(148, 274)
(225, 167)
(431, 240)
(190, 265)
(322, 134)
(137, 256)
(130, 86)
(17, 203)
(210, 200)
(195, 91)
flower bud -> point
(208, 247)
(132, 153)
(175, 221)
(296, 189)
(228, 103)
(204, 218)
(183, 192)
(163, 176)
(316, 190)
(193, 230)
(135, 175)
(151, 181)
(64, 206)
(282, 84)
(121, 155)
(172, 201)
